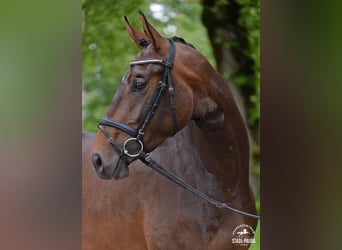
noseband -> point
(137, 134)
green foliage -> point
(104, 51)
(249, 18)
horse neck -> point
(223, 131)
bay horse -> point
(195, 131)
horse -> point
(195, 132)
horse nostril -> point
(97, 161)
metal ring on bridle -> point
(132, 154)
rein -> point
(148, 161)
(137, 134)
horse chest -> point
(172, 218)
(188, 230)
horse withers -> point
(173, 107)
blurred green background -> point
(226, 32)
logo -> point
(243, 235)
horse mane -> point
(181, 40)
(144, 43)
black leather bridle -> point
(137, 134)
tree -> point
(233, 30)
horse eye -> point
(138, 85)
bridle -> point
(137, 133)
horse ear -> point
(137, 36)
(151, 33)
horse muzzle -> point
(114, 169)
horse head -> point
(155, 99)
